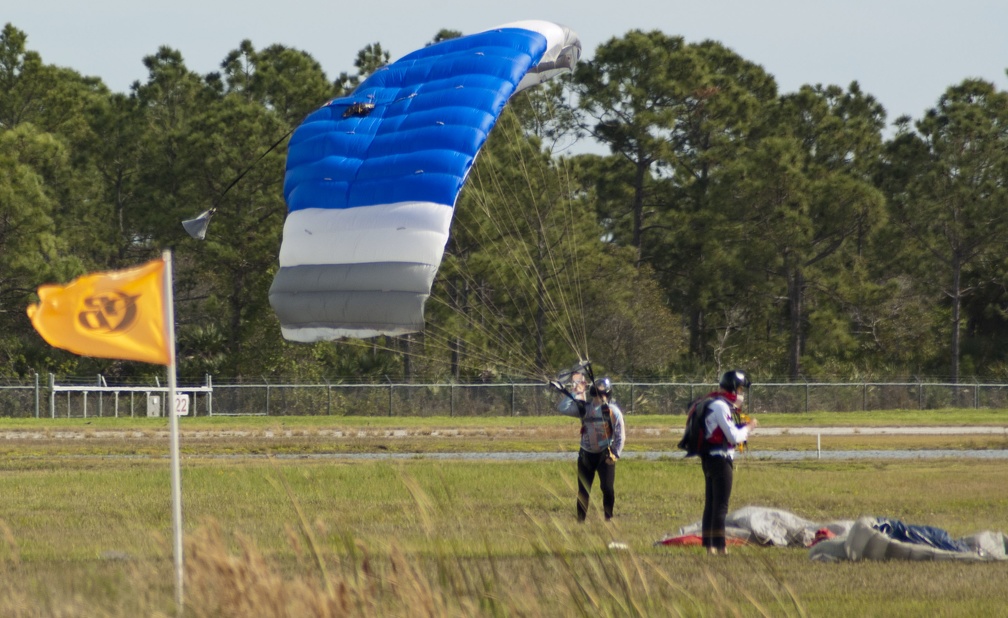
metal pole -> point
(176, 477)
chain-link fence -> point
(74, 397)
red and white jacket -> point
(720, 430)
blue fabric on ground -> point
(922, 535)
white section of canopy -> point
(563, 50)
(410, 232)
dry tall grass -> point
(230, 577)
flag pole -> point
(176, 482)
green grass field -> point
(279, 521)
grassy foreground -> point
(85, 526)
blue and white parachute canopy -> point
(372, 179)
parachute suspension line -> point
(481, 317)
(578, 288)
(510, 211)
(555, 279)
(504, 344)
(551, 276)
(564, 296)
(571, 294)
(519, 252)
(197, 227)
(561, 256)
(425, 353)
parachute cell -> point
(372, 179)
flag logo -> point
(111, 312)
(119, 314)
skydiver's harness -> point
(607, 431)
(607, 428)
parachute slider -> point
(358, 110)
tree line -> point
(718, 222)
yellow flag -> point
(119, 314)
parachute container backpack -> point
(372, 179)
(693, 440)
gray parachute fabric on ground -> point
(770, 526)
(867, 538)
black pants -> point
(588, 465)
(718, 476)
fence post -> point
(52, 395)
(36, 395)
(209, 401)
(101, 399)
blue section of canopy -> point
(432, 111)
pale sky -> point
(906, 53)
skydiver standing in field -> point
(602, 434)
(721, 434)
